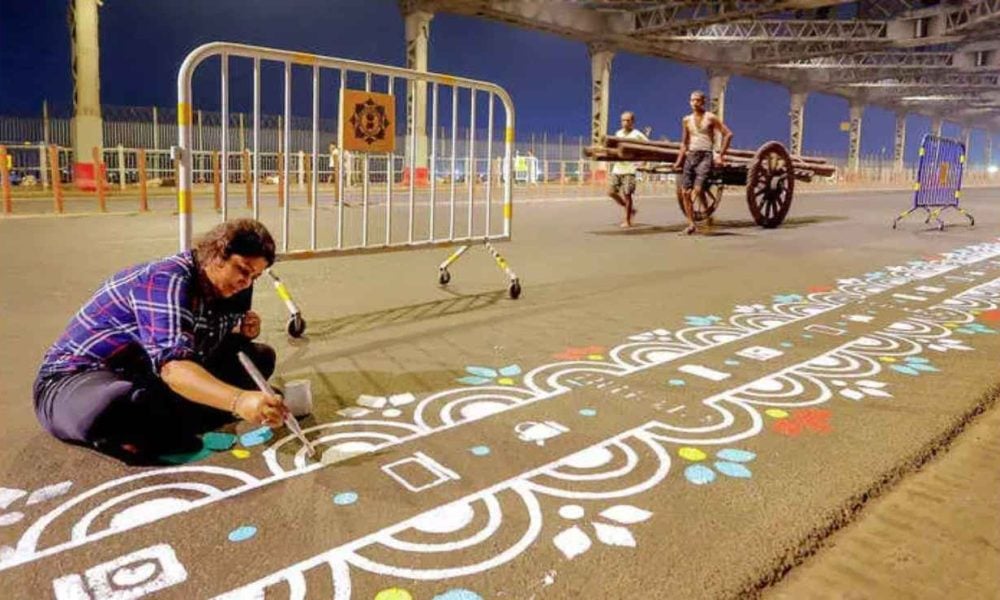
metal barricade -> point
(939, 179)
(365, 214)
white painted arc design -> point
(27, 546)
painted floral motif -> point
(574, 541)
(484, 375)
(389, 405)
(730, 464)
(914, 365)
(815, 420)
(586, 352)
(974, 328)
(819, 289)
(656, 335)
(948, 344)
(698, 321)
(746, 309)
(858, 390)
(787, 298)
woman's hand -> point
(261, 408)
(250, 325)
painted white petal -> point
(868, 383)
(401, 399)
(10, 518)
(572, 542)
(9, 495)
(938, 348)
(371, 401)
(626, 514)
(613, 535)
(49, 492)
(353, 412)
(878, 393)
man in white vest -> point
(623, 173)
(696, 155)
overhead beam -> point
(894, 78)
(783, 30)
(873, 60)
(973, 15)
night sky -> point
(144, 41)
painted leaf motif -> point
(572, 542)
(917, 359)
(626, 514)
(878, 393)
(482, 371)
(736, 455)
(923, 367)
(641, 337)
(614, 535)
(510, 371)
(733, 469)
(868, 383)
(472, 380)
(904, 370)
(699, 474)
(9, 495)
(48, 492)
(10, 518)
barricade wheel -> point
(514, 290)
(770, 185)
(296, 326)
(444, 277)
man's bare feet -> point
(690, 229)
(624, 224)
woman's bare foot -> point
(690, 229)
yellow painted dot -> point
(393, 594)
(887, 359)
(595, 356)
(976, 312)
(692, 454)
(776, 413)
(505, 381)
(951, 325)
(241, 453)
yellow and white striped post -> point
(182, 155)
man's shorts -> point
(623, 185)
(697, 165)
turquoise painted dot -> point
(786, 344)
(345, 498)
(676, 382)
(916, 359)
(219, 441)
(732, 363)
(733, 469)
(458, 594)
(588, 412)
(736, 455)
(699, 474)
(242, 533)
(905, 370)
(808, 336)
(480, 450)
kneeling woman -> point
(150, 361)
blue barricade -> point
(939, 179)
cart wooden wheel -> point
(770, 185)
(713, 196)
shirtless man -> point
(697, 144)
(623, 173)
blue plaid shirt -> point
(146, 316)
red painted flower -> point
(990, 316)
(816, 289)
(816, 420)
(581, 353)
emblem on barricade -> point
(368, 119)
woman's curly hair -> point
(245, 237)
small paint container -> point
(298, 397)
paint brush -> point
(265, 387)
